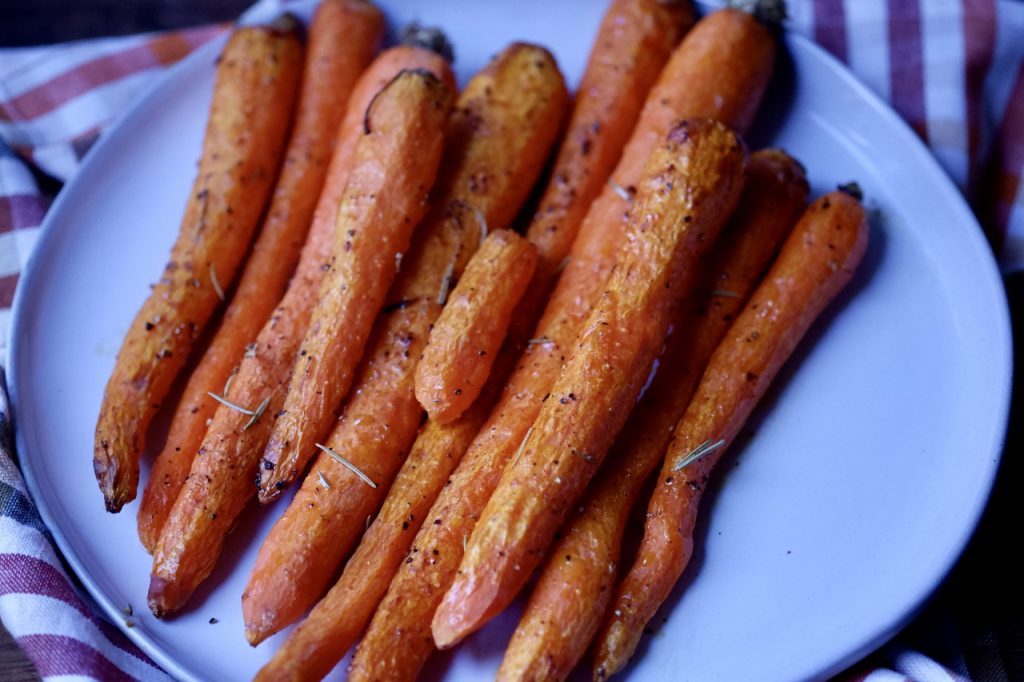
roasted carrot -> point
(499, 137)
(256, 82)
(575, 585)
(689, 188)
(393, 167)
(467, 336)
(342, 38)
(817, 260)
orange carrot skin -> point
(740, 52)
(689, 189)
(387, 190)
(816, 262)
(499, 135)
(470, 330)
(255, 87)
(472, 191)
(575, 586)
(342, 39)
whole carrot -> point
(469, 332)
(384, 199)
(342, 38)
(688, 190)
(256, 82)
(498, 139)
(575, 585)
(816, 262)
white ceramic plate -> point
(873, 454)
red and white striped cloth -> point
(954, 69)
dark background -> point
(978, 613)
(38, 22)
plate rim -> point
(989, 278)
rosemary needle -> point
(621, 191)
(216, 282)
(446, 282)
(702, 450)
(227, 384)
(257, 413)
(589, 459)
(349, 465)
(227, 403)
(725, 293)
(323, 479)
(481, 219)
(522, 446)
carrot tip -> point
(445, 637)
(253, 637)
(771, 13)
(286, 23)
(853, 189)
(156, 599)
(428, 38)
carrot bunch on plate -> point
(470, 392)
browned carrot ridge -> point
(393, 167)
(342, 38)
(499, 136)
(467, 336)
(816, 262)
(575, 585)
(689, 189)
(254, 92)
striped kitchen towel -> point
(954, 69)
